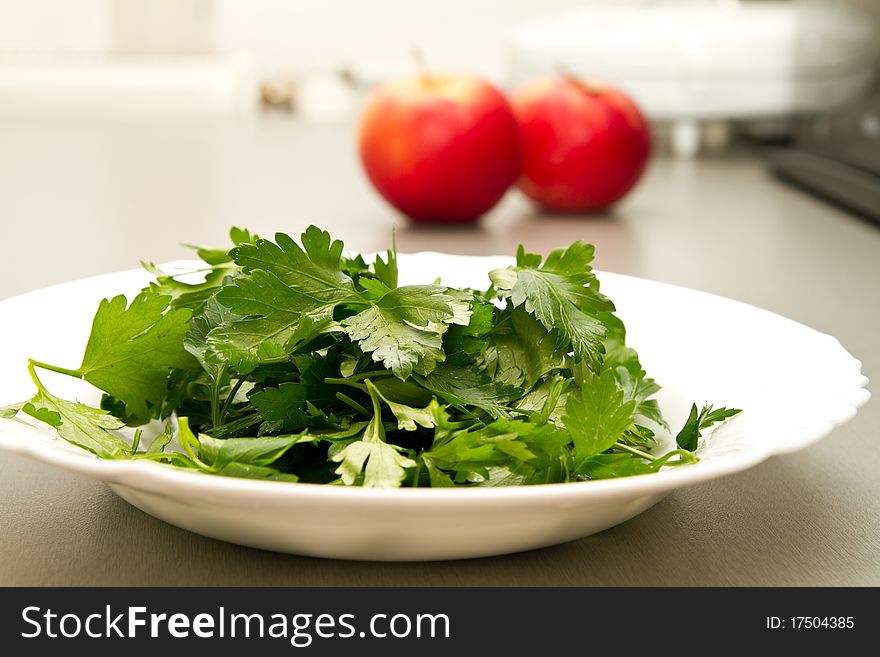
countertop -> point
(80, 197)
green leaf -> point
(638, 436)
(287, 408)
(530, 452)
(408, 417)
(313, 269)
(385, 465)
(160, 442)
(219, 453)
(547, 399)
(608, 466)
(436, 477)
(248, 471)
(10, 411)
(464, 343)
(562, 294)
(521, 350)
(599, 417)
(469, 387)
(386, 270)
(196, 341)
(407, 392)
(131, 350)
(404, 329)
(78, 424)
(400, 347)
(240, 236)
(355, 266)
(221, 256)
(468, 453)
(373, 289)
(629, 372)
(187, 295)
(280, 403)
(689, 436)
(279, 320)
(382, 465)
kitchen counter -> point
(82, 197)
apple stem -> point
(422, 65)
(566, 73)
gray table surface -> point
(81, 197)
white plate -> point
(794, 384)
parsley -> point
(690, 433)
(598, 417)
(77, 423)
(132, 350)
(371, 461)
(562, 293)
(287, 360)
(404, 328)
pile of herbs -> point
(291, 361)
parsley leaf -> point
(247, 458)
(689, 436)
(562, 293)
(313, 269)
(469, 387)
(196, 341)
(278, 318)
(408, 417)
(386, 270)
(77, 423)
(187, 295)
(248, 451)
(371, 460)
(288, 408)
(221, 256)
(464, 343)
(132, 350)
(404, 329)
(10, 411)
(528, 450)
(599, 417)
(521, 350)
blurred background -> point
(127, 126)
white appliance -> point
(688, 63)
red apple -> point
(585, 143)
(441, 148)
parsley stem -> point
(633, 450)
(34, 376)
(136, 441)
(374, 396)
(465, 411)
(417, 473)
(230, 399)
(195, 459)
(358, 377)
(215, 397)
(53, 368)
(183, 440)
(345, 382)
(351, 402)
